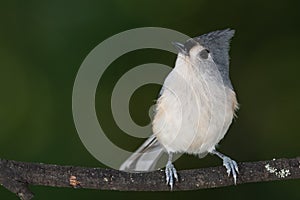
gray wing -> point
(145, 158)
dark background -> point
(43, 43)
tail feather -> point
(145, 158)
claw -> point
(171, 173)
(231, 166)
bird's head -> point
(211, 49)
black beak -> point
(180, 47)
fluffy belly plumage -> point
(190, 119)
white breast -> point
(194, 110)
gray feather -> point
(145, 158)
(218, 43)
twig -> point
(16, 176)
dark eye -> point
(204, 54)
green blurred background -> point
(43, 43)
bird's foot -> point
(231, 166)
(171, 173)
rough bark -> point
(16, 176)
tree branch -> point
(16, 176)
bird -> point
(195, 108)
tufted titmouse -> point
(195, 108)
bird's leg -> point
(171, 172)
(230, 164)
